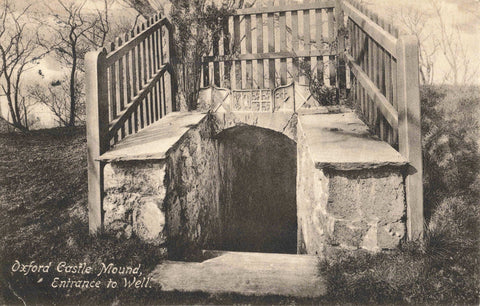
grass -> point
(441, 270)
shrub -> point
(323, 94)
(198, 24)
(450, 130)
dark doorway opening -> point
(258, 169)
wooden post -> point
(172, 62)
(97, 130)
(409, 133)
(341, 31)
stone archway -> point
(257, 196)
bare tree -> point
(76, 31)
(461, 68)
(415, 22)
(146, 8)
(54, 95)
(17, 51)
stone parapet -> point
(350, 199)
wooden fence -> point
(385, 86)
(262, 46)
(128, 88)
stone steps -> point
(244, 273)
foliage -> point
(450, 129)
(325, 95)
(197, 24)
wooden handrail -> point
(375, 31)
(123, 116)
(120, 52)
(387, 109)
(287, 8)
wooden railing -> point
(134, 81)
(261, 46)
(128, 88)
(385, 86)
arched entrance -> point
(258, 191)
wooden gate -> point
(264, 46)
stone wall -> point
(223, 181)
(192, 183)
(347, 209)
(311, 191)
(133, 201)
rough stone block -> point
(134, 199)
(149, 221)
(349, 234)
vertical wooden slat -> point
(409, 133)
(319, 41)
(149, 53)
(260, 70)
(243, 64)
(141, 76)
(162, 62)
(248, 50)
(163, 109)
(121, 83)
(159, 47)
(221, 65)
(150, 58)
(113, 87)
(306, 37)
(153, 39)
(282, 23)
(128, 83)
(134, 82)
(157, 101)
(271, 48)
(145, 74)
(237, 49)
(216, 65)
(295, 45)
(226, 50)
(172, 106)
(97, 130)
(341, 74)
(144, 60)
